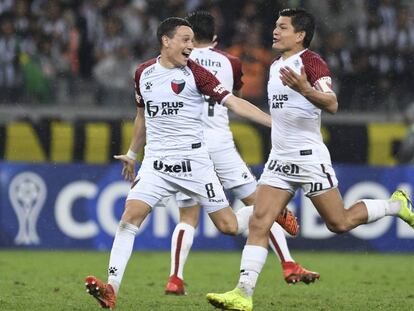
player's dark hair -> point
(169, 26)
(203, 25)
(301, 21)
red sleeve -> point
(138, 72)
(315, 67)
(207, 83)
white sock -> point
(377, 209)
(253, 259)
(120, 253)
(181, 242)
(278, 243)
(243, 216)
(392, 208)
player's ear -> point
(165, 41)
(300, 36)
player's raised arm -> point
(322, 96)
(246, 110)
(208, 84)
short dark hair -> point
(203, 25)
(301, 21)
(168, 27)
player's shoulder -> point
(225, 54)
(312, 57)
(315, 66)
(195, 67)
(141, 67)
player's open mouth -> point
(275, 40)
(186, 54)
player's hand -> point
(128, 171)
(297, 82)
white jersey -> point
(173, 104)
(227, 70)
(296, 135)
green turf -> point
(40, 280)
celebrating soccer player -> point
(169, 95)
(299, 89)
(229, 166)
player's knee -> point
(258, 223)
(191, 220)
(135, 213)
(227, 227)
(337, 227)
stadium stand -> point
(60, 52)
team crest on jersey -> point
(177, 86)
(296, 63)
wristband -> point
(131, 154)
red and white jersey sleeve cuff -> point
(324, 84)
(225, 98)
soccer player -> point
(299, 89)
(229, 166)
(169, 94)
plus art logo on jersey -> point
(177, 86)
(278, 100)
(284, 168)
(177, 168)
(164, 108)
(152, 110)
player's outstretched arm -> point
(246, 110)
(138, 138)
(325, 100)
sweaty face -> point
(178, 48)
(284, 36)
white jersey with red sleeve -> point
(173, 104)
(296, 122)
(227, 69)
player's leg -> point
(181, 242)
(146, 191)
(323, 192)
(270, 202)
(293, 272)
(339, 219)
(134, 214)
(213, 199)
(330, 206)
(234, 175)
(277, 237)
(229, 222)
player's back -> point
(227, 70)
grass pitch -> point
(53, 280)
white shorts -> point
(232, 172)
(314, 179)
(194, 176)
(231, 169)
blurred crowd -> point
(62, 52)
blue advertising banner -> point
(78, 206)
